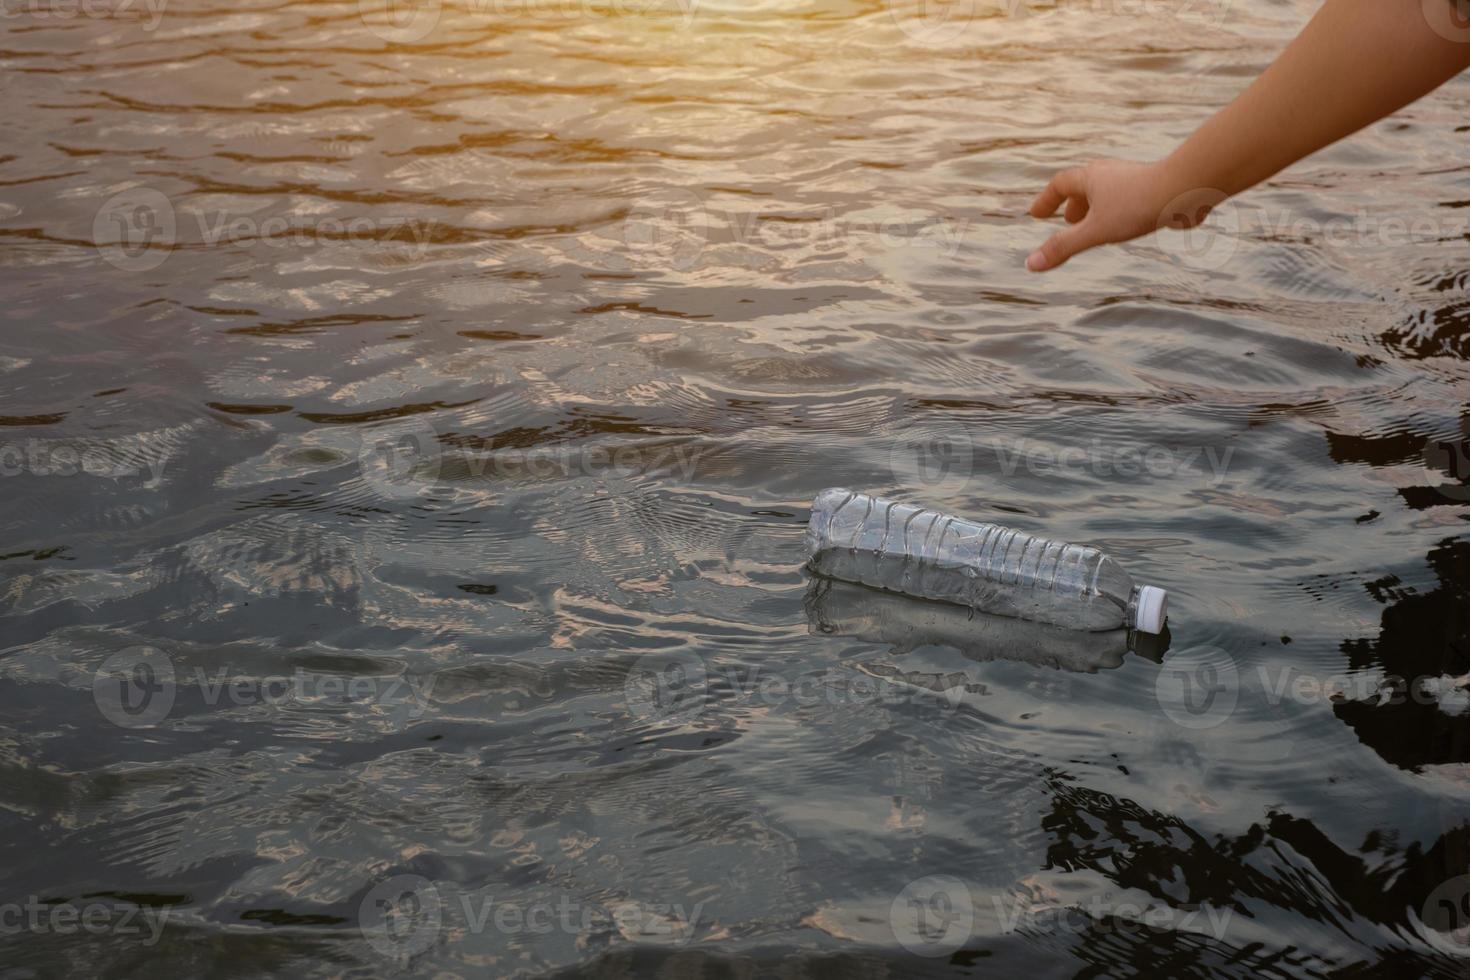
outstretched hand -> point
(1112, 201)
(1356, 62)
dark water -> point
(408, 427)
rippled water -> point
(409, 417)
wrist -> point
(1187, 192)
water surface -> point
(409, 418)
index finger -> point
(1066, 184)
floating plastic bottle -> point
(918, 552)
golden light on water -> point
(697, 22)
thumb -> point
(1063, 245)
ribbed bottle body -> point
(988, 567)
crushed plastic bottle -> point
(989, 568)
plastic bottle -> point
(994, 569)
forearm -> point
(1355, 62)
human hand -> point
(1114, 201)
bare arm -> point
(1354, 63)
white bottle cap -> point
(1153, 607)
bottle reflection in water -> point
(842, 609)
